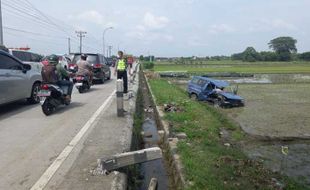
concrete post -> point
(153, 184)
(120, 98)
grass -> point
(232, 62)
(208, 164)
(236, 66)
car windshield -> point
(92, 59)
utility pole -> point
(81, 35)
(1, 28)
(69, 46)
(110, 51)
(110, 28)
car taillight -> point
(44, 87)
(98, 65)
(72, 65)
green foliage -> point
(305, 56)
(148, 65)
(250, 55)
(284, 47)
(141, 58)
(268, 56)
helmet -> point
(53, 59)
(83, 56)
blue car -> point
(212, 90)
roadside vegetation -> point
(211, 161)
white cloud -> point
(267, 25)
(221, 28)
(91, 16)
(155, 22)
(151, 29)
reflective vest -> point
(121, 65)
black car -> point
(100, 66)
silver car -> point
(17, 80)
(27, 57)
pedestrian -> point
(121, 70)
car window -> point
(7, 62)
(104, 60)
(34, 57)
(92, 59)
(201, 82)
(27, 56)
(210, 87)
(195, 80)
(19, 55)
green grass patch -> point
(267, 69)
(208, 164)
(235, 67)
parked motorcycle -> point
(52, 96)
(82, 83)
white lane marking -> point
(48, 174)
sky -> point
(156, 27)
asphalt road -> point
(30, 142)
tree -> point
(251, 55)
(284, 47)
(141, 58)
(305, 56)
(268, 56)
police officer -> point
(121, 70)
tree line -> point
(284, 49)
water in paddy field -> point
(295, 164)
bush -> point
(148, 65)
(268, 56)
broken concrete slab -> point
(131, 158)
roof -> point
(218, 83)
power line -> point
(33, 33)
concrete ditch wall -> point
(169, 145)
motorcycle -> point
(82, 83)
(52, 96)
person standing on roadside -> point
(121, 70)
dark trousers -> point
(123, 75)
(66, 83)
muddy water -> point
(295, 164)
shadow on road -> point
(15, 108)
(62, 109)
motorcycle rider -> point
(85, 68)
(54, 73)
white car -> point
(27, 57)
(18, 80)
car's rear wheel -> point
(34, 98)
(194, 96)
